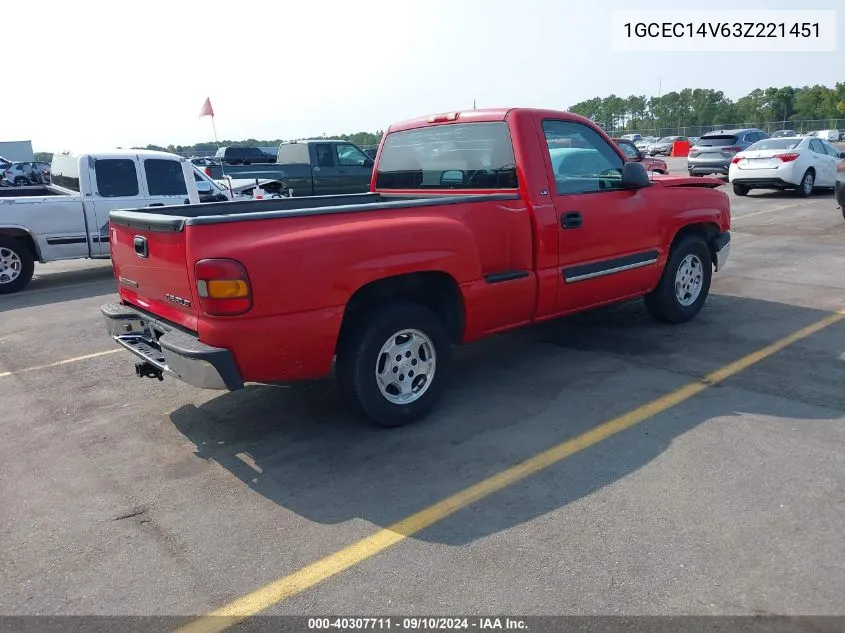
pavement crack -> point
(137, 511)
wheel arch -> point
(23, 235)
(435, 289)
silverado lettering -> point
(475, 223)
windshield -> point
(775, 143)
(629, 150)
(666, 139)
(722, 140)
(456, 156)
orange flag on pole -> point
(207, 110)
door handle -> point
(571, 220)
(157, 204)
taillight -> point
(731, 150)
(208, 171)
(223, 287)
(787, 158)
(736, 159)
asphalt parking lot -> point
(134, 497)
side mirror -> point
(369, 162)
(634, 176)
(452, 178)
(841, 154)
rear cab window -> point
(721, 140)
(451, 156)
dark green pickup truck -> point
(309, 168)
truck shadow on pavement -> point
(513, 396)
(57, 287)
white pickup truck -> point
(69, 218)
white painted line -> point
(772, 210)
(68, 361)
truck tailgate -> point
(152, 272)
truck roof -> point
(115, 153)
(483, 115)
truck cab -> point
(69, 218)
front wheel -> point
(684, 284)
(394, 363)
(16, 265)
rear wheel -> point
(685, 282)
(808, 181)
(394, 363)
(20, 181)
(740, 190)
(16, 265)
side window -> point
(324, 155)
(816, 146)
(165, 177)
(349, 155)
(831, 150)
(582, 161)
(116, 178)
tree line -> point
(362, 139)
(702, 108)
(209, 147)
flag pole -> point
(214, 127)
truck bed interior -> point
(28, 192)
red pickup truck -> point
(476, 222)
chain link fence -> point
(801, 127)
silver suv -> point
(713, 152)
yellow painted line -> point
(279, 590)
(67, 361)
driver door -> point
(608, 236)
(355, 168)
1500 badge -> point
(179, 300)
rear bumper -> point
(708, 167)
(722, 246)
(171, 350)
(778, 183)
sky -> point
(109, 74)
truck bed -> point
(27, 192)
(174, 218)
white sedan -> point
(801, 163)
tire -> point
(664, 303)
(20, 181)
(740, 190)
(17, 265)
(362, 353)
(808, 181)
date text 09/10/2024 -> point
(417, 623)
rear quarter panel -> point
(303, 270)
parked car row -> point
(22, 174)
